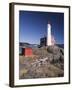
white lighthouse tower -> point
(49, 43)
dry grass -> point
(42, 71)
(53, 67)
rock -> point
(50, 57)
(53, 49)
(56, 57)
(62, 58)
(62, 51)
(47, 62)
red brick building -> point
(27, 52)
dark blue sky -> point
(33, 26)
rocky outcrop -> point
(47, 62)
(57, 53)
(53, 49)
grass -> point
(42, 69)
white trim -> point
(16, 45)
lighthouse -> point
(48, 40)
(49, 43)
